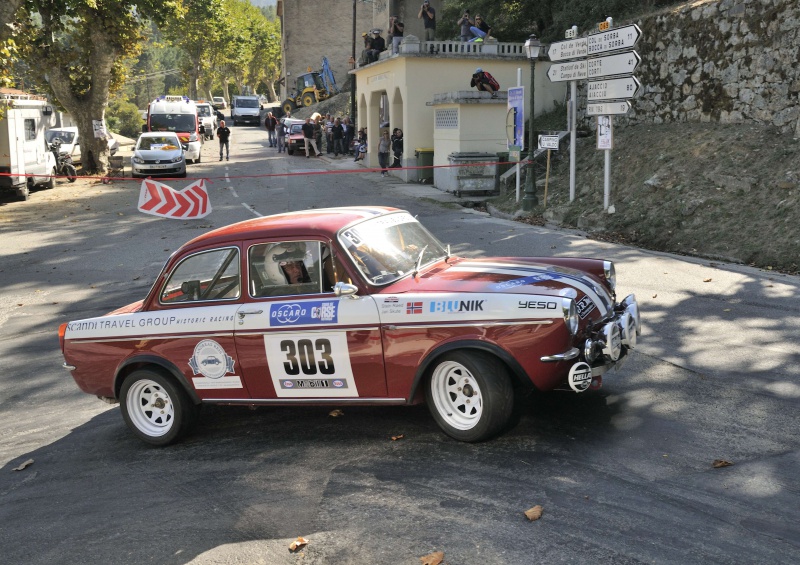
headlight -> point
(610, 273)
(137, 160)
(612, 343)
(570, 315)
(193, 137)
(177, 159)
(627, 330)
(632, 307)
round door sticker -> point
(210, 360)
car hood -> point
(512, 275)
(158, 154)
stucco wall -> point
(725, 61)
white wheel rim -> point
(150, 408)
(457, 396)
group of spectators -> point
(473, 30)
(337, 133)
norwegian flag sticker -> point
(159, 199)
(414, 308)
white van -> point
(245, 109)
(24, 153)
(178, 114)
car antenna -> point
(419, 262)
(447, 253)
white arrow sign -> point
(614, 40)
(548, 142)
(571, 49)
(613, 89)
(610, 65)
(608, 108)
(573, 70)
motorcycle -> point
(64, 166)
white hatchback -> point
(158, 154)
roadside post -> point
(549, 142)
(516, 106)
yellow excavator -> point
(310, 89)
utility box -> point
(472, 173)
(425, 159)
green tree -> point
(77, 48)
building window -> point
(30, 130)
(447, 119)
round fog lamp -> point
(612, 341)
(627, 330)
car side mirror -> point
(344, 289)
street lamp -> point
(533, 48)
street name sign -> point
(611, 65)
(548, 142)
(613, 89)
(570, 49)
(624, 37)
(572, 70)
(608, 108)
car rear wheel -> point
(72, 173)
(155, 408)
(470, 395)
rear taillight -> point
(62, 330)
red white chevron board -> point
(159, 199)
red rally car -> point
(349, 306)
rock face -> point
(726, 61)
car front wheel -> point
(470, 395)
(155, 408)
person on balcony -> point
(396, 29)
(466, 23)
(481, 30)
(428, 16)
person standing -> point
(280, 134)
(318, 128)
(224, 137)
(481, 30)
(428, 16)
(397, 148)
(384, 146)
(308, 136)
(328, 134)
(396, 28)
(271, 123)
(337, 133)
(466, 23)
(349, 134)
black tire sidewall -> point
(497, 393)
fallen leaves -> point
(706, 280)
(335, 413)
(534, 513)
(434, 558)
(299, 543)
(401, 436)
(718, 463)
(25, 464)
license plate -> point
(159, 166)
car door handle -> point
(243, 314)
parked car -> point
(207, 118)
(350, 306)
(295, 141)
(71, 143)
(158, 154)
(219, 102)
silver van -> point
(245, 109)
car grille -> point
(155, 162)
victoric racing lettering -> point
(538, 304)
(448, 306)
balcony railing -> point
(413, 45)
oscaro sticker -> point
(580, 377)
(210, 360)
(310, 312)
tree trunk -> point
(8, 8)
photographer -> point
(428, 17)
(396, 29)
(484, 81)
(466, 23)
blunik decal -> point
(210, 360)
(302, 313)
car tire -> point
(182, 175)
(155, 408)
(470, 395)
(51, 182)
(198, 158)
(23, 192)
(290, 151)
(72, 173)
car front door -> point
(296, 339)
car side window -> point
(205, 276)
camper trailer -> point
(25, 158)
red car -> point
(351, 306)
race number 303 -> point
(310, 365)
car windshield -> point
(247, 103)
(164, 143)
(388, 248)
(204, 111)
(62, 136)
(173, 122)
(297, 128)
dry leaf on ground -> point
(534, 513)
(298, 543)
(433, 558)
(27, 463)
(721, 463)
(401, 436)
(335, 413)
(706, 280)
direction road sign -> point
(610, 65)
(608, 108)
(548, 142)
(614, 40)
(612, 89)
(570, 49)
(572, 70)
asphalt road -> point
(624, 474)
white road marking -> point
(253, 210)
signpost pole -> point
(547, 177)
(607, 175)
(519, 83)
(572, 137)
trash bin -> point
(424, 159)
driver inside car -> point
(294, 271)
